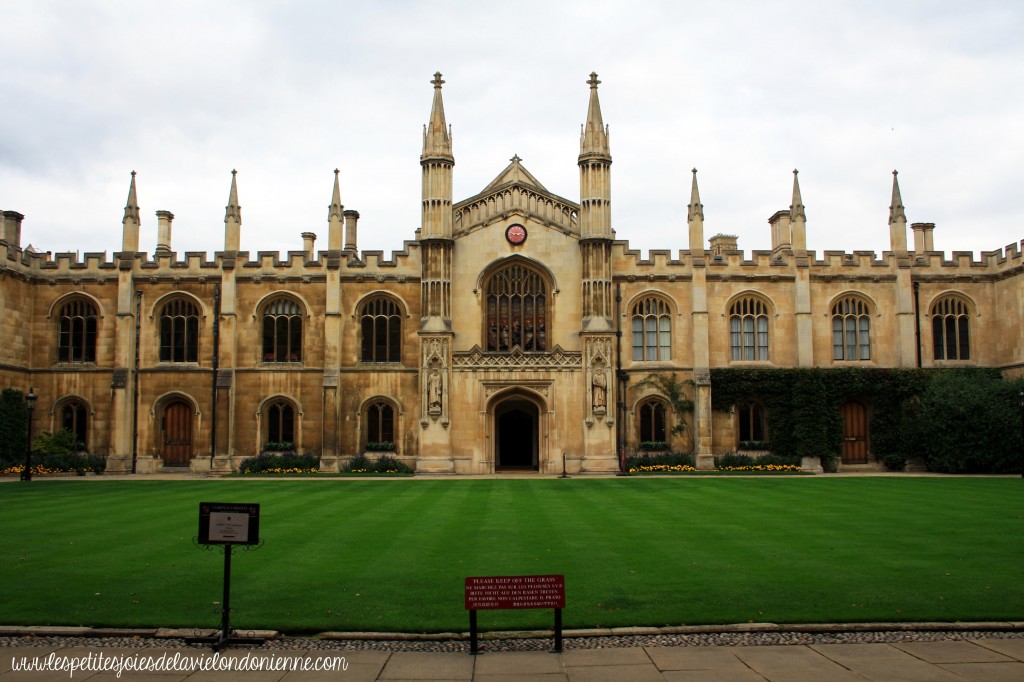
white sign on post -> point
(229, 527)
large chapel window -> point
(77, 336)
(282, 331)
(748, 329)
(381, 326)
(951, 333)
(516, 310)
(851, 329)
(652, 329)
(179, 331)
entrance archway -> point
(516, 426)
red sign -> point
(515, 592)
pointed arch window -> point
(851, 329)
(280, 419)
(77, 335)
(652, 422)
(517, 310)
(282, 331)
(74, 418)
(748, 329)
(381, 326)
(951, 331)
(179, 331)
(380, 423)
(652, 329)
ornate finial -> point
(795, 171)
(593, 82)
(515, 158)
(693, 170)
(437, 82)
(133, 174)
(336, 171)
(234, 172)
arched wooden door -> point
(177, 430)
(855, 433)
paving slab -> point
(745, 675)
(987, 672)
(841, 653)
(695, 658)
(608, 656)
(1014, 648)
(951, 652)
(615, 673)
(518, 663)
(409, 665)
(767, 659)
(898, 670)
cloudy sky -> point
(285, 92)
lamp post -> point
(30, 403)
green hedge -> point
(13, 426)
(385, 464)
(280, 463)
(669, 458)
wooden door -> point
(177, 435)
(855, 433)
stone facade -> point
(510, 333)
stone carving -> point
(556, 359)
(434, 392)
(702, 376)
(600, 390)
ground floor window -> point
(380, 424)
(74, 417)
(281, 422)
(752, 422)
(652, 422)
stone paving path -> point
(985, 659)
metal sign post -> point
(227, 524)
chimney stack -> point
(12, 228)
(163, 231)
(308, 239)
(923, 240)
(351, 218)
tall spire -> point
(796, 209)
(437, 139)
(131, 209)
(232, 218)
(130, 222)
(335, 210)
(594, 136)
(233, 210)
(695, 209)
(896, 211)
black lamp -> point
(30, 403)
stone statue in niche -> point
(434, 392)
(600, 390)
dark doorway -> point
(177, 435)
(855, 433)
(516, 442)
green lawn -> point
(344, 554)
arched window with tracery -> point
(748, 329)
(74, 418)
(652, 329)
(77, 336)
(282, 331)
(851, 329)
(280, 421)
(951, 332)
(652, 418)
(517, 310)
(179, 331)
(380, 424)
(381, 326)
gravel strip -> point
(461, 645)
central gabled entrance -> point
(516, 429)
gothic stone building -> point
(508, 334)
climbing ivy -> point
(802, 407)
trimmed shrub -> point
(283, 463)
(733, 459)
(390, 465)
(668, 458)
(13, 426)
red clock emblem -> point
(515, 234)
